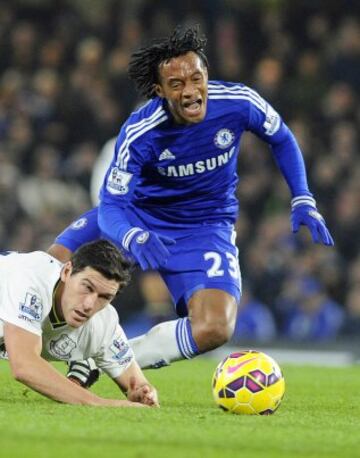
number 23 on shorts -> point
(217, 267)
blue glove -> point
(304, 212)
(149, 249)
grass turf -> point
(319, 417)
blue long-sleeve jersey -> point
(174, 176)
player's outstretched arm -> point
(29, 368)
(267, 124)
(137, 388)
(303, 206)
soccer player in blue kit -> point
(168, 198)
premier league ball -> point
(248, 382)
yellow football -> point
(248, 382)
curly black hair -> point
(144, 63)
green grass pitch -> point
(319, 417)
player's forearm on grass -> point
(39, 375)
(132, 371)
(28, 367)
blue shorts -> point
(205, 257)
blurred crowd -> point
(64, 91)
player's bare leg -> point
(212, 313)
(59, 252)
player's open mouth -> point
(80, 316)
(192, 108)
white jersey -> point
(27, 283)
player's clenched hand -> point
(145, 393)
(150, 249)
(307, 215)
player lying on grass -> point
(169, 196)
(50, 311)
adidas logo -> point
(166, 154)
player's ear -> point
(66, 271)
(158, 90)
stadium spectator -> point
(345, 62)
(308, 313)
(254, 321)
(351, 326)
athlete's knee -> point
(59, 252)
(213, 315)
(212, 334)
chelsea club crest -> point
(79, 224)
(224, 138)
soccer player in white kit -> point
(61, 312)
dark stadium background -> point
(64, 93)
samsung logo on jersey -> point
(198, 167)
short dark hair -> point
(144, 63)
(104, 257)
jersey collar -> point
(53, 317)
